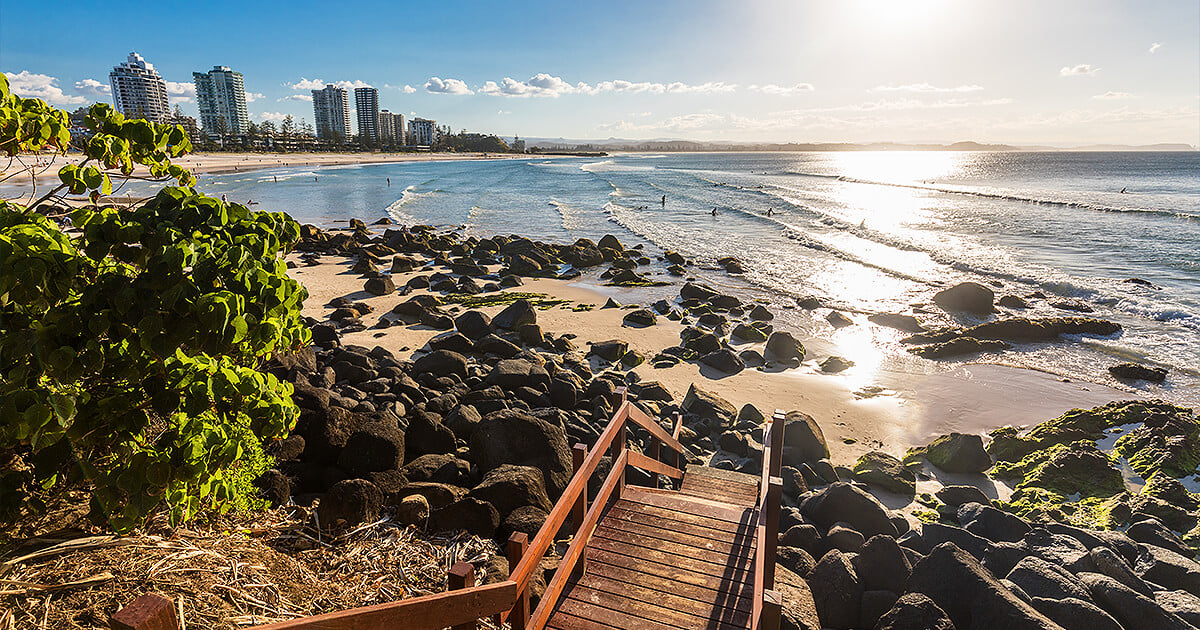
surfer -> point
(276, 178)
(714, 211)
(770, 211)
(389, 182)
(1124, 189)
(664, 201)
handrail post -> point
(621, 395)
(578, 455)
(675, 435)
(462, 575)
(147, 612)
(776, 436)
(655, 452)
(518, 544)
(771, 509)
(772, 611)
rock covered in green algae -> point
(883, 470)
(958, 453)
(1168, 441)
(1077, 424)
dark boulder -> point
(470, 514)
(379, 285)
(1075, 614)
(955, 496)
(723, 360)
(906, 323)
(349, 503)
(509, 487)
(442, 363)
(881, 565)
(709, 406)
(992, 524)
(1134, 372)
(640, 318)
(1039, 578)
(611, 350)
(1133, 610)
(438, 468)
(836, 591)
(958, 347)
(914, 611)
(1152, 532)
(515, 315)
(835, 364)
(803, 441)
(785, 348)
(970, 595)
(884, 471)
(971, 297)
(374, 447)
(474, 324)
(1169, 569)
(427, 435)
(843, 501)
(843, 537)
(510, 437)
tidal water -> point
(867, 232)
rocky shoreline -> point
(474, 432)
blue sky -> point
(1020, 71)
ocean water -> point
(867, 232)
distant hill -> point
(674, 144)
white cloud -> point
(295, 97)
(408, 89)
(780, 90)
(541, 84)
(306, 84)
(925, 88)
(1154, 47)
(1081, 70)
(180, 89)
(92, 87)
(1113, 96)
(350, 85)
(503, 113)
(676, 87)
(253, 96)
(30, 85)
(446, 86)
(272, 116)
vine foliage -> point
(129, 341)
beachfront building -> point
(517, 144)
(331, 112)
(221, 97)
(366, 101)
(422, 132)
(391, 127)
(138, 91)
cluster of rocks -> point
(712, 322)
(866, 568)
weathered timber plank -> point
(667, 532)
(669, 573)
(635, 540)
(716, 607)
(653, 611)
(689, 505)
(563, 621)
(721, 529)
(738, 567)
(621, 616)
(739, 596)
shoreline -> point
(909, 411)
(218, 163)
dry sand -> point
(970, 398)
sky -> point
(1063, 73)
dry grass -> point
(229, 572)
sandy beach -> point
(973, 398)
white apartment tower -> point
(221, 96)
(366, 101)
(138, 91)
(331, 113)
(422, 132)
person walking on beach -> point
(389, 182)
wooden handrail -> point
(431, 612)
(574, 554)
(642, 419)
(765, 611)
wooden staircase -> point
(701, 556)
(670, 559)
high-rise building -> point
(391, 127)
(138, 91)
(422, 132)
(331, 113)
(221, 97)
(366, 101)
